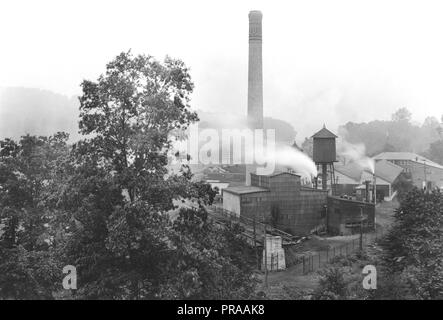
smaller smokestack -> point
(374, 188)
(367, 191)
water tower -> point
(324, 154)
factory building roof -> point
(383, 169)
(410, 156)
(324, 134)
(277, 173)
(388, 171)
(244, 190)
(351, 170)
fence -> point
(313, 261)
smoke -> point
(356, 153)
(212, 147)
(221, 120)
(289, 157)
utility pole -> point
(375, 189)
(361, 230)
(326, 217)
(255, 240)
(424, 169)
(266, 250)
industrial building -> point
(345, 216)
(281, 201)
(422, 172)
(350, 179)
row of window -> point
(401, 162)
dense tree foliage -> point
(403, 185)
(409, 259)
(435, 152)
(27, 269)
(399, 134)
(415, 243)
(108, 204)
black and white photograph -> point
(241, 152)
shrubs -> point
(414, 245)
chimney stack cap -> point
(255, 15)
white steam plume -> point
(357, 154)
(289, 157)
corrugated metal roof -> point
(244, 189)
(407, 156)
(276, 173)
(386, 170)
(383, 169)
(351, 170)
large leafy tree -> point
(114, 206)
(130, 112)
(108, 205)
(402, 114)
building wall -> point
(434, 176)
(300, 209)
(260, 181)
(341, 212)
(348, 186)
(309, 213)
(383, 189)
(231, 202)
(255, 205)
(285, 191)
(282, 198)
(349, 189)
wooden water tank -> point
(324, 150)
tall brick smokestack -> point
(255, 72)
(255, 80)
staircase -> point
(221, 215)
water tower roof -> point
(324, 134)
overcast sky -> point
(324, 61)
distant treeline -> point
(398, 134)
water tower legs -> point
(324, 176)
